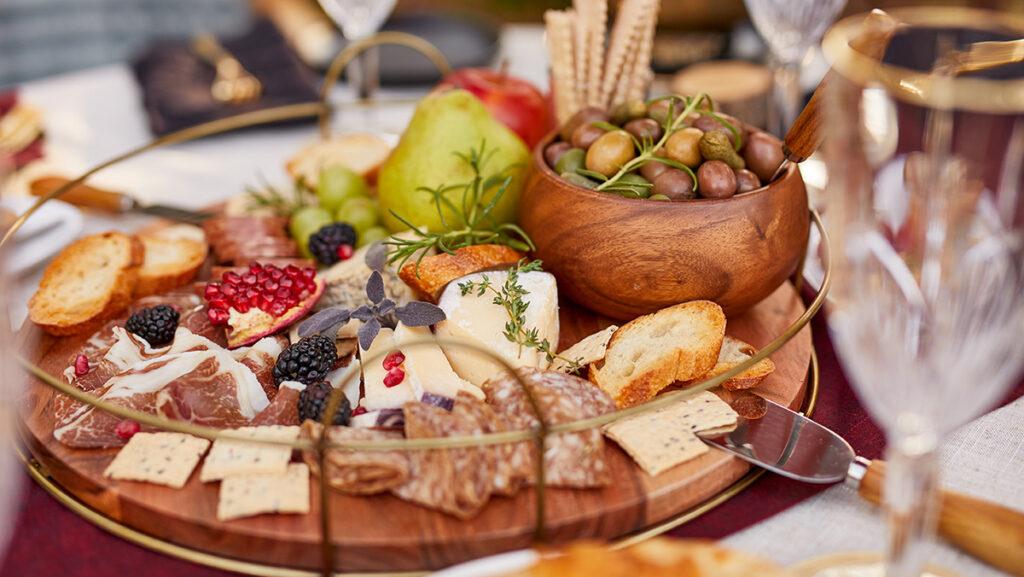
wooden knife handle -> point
(82, 195)
(990, 532)
(806, 134)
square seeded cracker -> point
(248, 495)
(666, 437)
(229, 457)
(160, 458)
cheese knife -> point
(87, 196)
(792, 445)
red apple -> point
(515, 102)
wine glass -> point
(790, 28)
(926, 214)
(359, 19)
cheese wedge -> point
(477, 319)
(426, 368)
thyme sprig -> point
(648, 147)
(510, 297)
(467, 219)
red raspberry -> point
(81, 365)
(394, 377)
(127, 429)
(393, 359)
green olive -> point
(658, 197)
(684, 146)
(634, 186)
(578, 180)
(555, 151)
(626, 111)
(608, 153)
(570, 161)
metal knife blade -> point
(790, 444)
(172, 213)
(88, 196)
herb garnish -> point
(266, 195)
(510, 297)
(648, 148)
(473, 221)
(378, 312)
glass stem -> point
(364, 71)
(787, 97)
(910, 497)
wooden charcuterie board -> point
(383, 533)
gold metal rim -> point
(916, 87)
(170, 549)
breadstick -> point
(622, 40)
(559, 38)
(642, 73)
(581, 37)
(595, 51)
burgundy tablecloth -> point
(51, 540)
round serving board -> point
(383, 533)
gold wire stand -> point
(118, 529)
(537, 435)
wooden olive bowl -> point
(624, 257)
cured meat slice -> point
(195, 380)
(284, 408)
(573, 460)
(455, 481)
(513, 461)
(260, 359)
(358, 472)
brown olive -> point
(652, 168)
(626, 111)
(554, 151)
(716, 180)
(659, 110)
(746, 181)
(610, 152)
(644, 128)
(707, 123)
(763, 154)
(684, 146)
(585, 135)
(675, 184)
(583, 116)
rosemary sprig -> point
(466, 219)
(510, 297)
(647, 148)
(266, 195)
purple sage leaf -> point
(385, 307)
(367, 333)
(363, 313)
(376, 255)
(441, 401)
(375, 288)
(419, 314)
(324, 321)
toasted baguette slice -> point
(436, 271)
(88, 283)
(363, 153)
(734, 352)
(649, 353)
(587, 351)
(173, 257)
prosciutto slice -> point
(193, 380)
(284, 409)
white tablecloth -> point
(95, 114)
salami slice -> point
(358, 472)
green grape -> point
(372, 235)
(361, 213)
(338, 184)
(306, 221)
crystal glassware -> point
(359, 19)
(790, 28)
(925, 211)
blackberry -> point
(155, 324)
(307, 361)
(326, 244)
(313, 401)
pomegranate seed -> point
(292, 270)
(309, 273)
(255, 268)
(231, 277)
(276, 273)
(211, 291)
(251, 294)
(218, 316)
(394, 377)
(290, 302)
(282, 293)
(287, 282)
(269, 285)
(345, 251)
(127, 429)
(229, 290)
(393, 359)
(81, 365)
(249, 279)
(218, 303)
(358, 411)
(242, 307)
(277, 309)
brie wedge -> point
(478, 320)
(426, 370)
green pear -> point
(446, 124)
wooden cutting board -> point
(383, 533)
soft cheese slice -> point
(426, 367)
(377, 395)
(478, 319)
